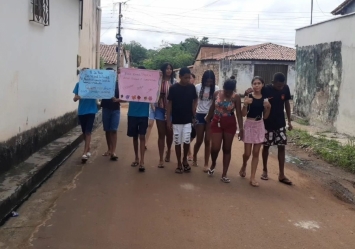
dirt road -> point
(111, 205)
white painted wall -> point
(88, 34)
(337, 29)
(38, 64)
(244, 72)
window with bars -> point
(40, 12)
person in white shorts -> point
(182, 107)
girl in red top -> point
(224, 125)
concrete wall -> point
(244, 72)
(325, 73)
(38, 71)
(201, 66)
(89, 34)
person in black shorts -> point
(279, 97)
(138, 114)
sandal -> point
(114, 158)
(141, 168)
(264, 176)
(205, 169)
(225, 180)
(161, 166)
(106, 154)
(187, 167)
(242, 173)
(179, 171)
(285, 181)
(167, 159)
(189, 158)
(194, 164)
(254, 184)
(210, 172)
(134, 164)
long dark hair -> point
(163, 69)
(209, 74)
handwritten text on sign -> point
(139, 85)
(97, 84)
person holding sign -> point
(111, 120)
(138, 113)
(182, 107)
(160, 114)
(87, 110)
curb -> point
(22, 180)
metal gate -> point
(267, 71)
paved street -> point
(111, 205)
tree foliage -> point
(179, 55)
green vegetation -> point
(179, 55)
(329, 150)
(302, 122)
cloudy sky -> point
(241, 22)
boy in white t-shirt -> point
(205, 91)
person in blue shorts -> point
(87, 110)
(138, 113)
(111, 111)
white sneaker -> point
(88, 154)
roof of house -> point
(341, 7)
(108, 53)
(216, 46)
(266, 51)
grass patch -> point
(329, 150)
(302, 122)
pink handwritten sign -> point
(139, 85)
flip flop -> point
(285, 181)
(141, 168)
(242, 174)
(114, 158)
(179, 171)
(254, 184)
(187, 167)
(205, 169)
(161, 166)
(135, 164)
(264, 177)
(194, 164)
(166, 157)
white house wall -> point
(335, 33)
(244, 72)
(38, 65)
(88, 34)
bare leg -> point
(265, 159)
(178, 155)
(135, 147)
(142, 149)
(207, 145)
(161, 126)
(149, 130)
(254, 164)
(87, 143)
(216, 147)
(186, 150)
(200, 131)
(281, 156)
(169, 142)
(113, 141)
(246, 156)
(108, 142)
(227, 149)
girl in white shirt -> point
(205, 91)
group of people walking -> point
(213, 116)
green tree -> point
(204, 40)
(138, 52)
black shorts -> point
(137, 126)
(276, 137)
(87, 123)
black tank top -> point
(256, 108)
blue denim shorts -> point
(200, 119)
(110, 119)
(151, 113)
(159, 114)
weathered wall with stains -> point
(244, 72)
(325, 73)
(38, 73)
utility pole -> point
(312, 13)
(119, 37)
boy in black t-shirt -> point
(275, 125)
(182, 107)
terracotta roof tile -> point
(266, 51)
(108, 54)
(341, 7)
